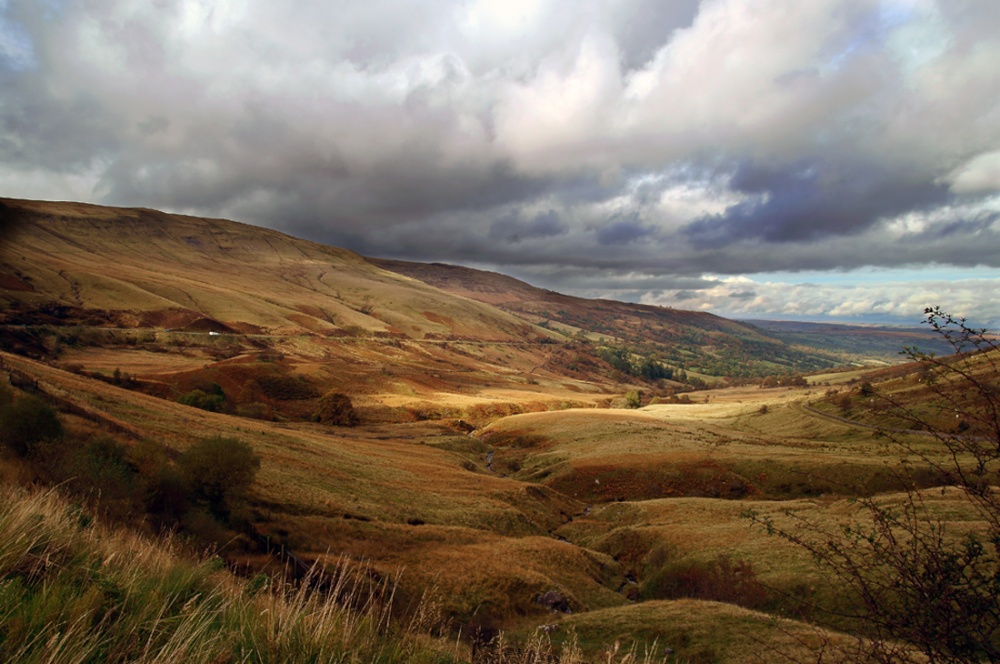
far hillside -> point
(862, 343)
(691, 341)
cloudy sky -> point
(829, 159)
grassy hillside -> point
(143, 268)
(604, 507)
(860, 343)
(691, 341)
(77, 591)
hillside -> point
(184, 303)
(143, 268)
(693, 341)
(855, 342)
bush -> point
(101, 471)
(210, 401)
(336, 409)
(27, 421)
(219, 471)
(720, 580)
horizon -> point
(825, 162)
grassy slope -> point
(144, 261)
(340, 321)
(693, 340)
(403, 498)
(75, 591)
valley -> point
(519, 459)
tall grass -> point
(73, 591)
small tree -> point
(336, 409)
(914, 583)
(27, 421)
(212, 401)
(219, 471)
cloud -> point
(622, 231)
(812, 200)
(513, 229)
(980, 175)
(628, 144)
(741, 297)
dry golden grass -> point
(417, 502)
(704, 632)
(727, 448)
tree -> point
(212, 401)
(27, 421)
(633, 399)
(915, 582)
(219, 471)
(336, 409)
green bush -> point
(219, 471)
(212, 401)
(27, 421)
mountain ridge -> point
(135, 267)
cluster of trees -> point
(210, 480)
(212, 400)
(625, 360)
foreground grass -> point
(72, 590)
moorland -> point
(438, 463)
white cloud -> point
(977, 176)
(902, 301)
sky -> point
(775, 159)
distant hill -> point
(856, 342)
(695, 341)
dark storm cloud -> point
(622, 231)
(513, 229)
(812, 200)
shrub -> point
(165, 493)
(27, 421)
(212, 402)
(219, 471)
(633, 399)
(102, 471)
(336, 409)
